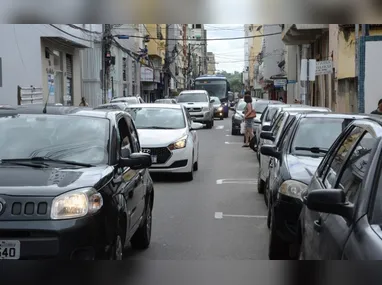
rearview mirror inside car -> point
(267, 136)
(136, 161)
(330, 201)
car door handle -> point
(317, 225)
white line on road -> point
(219, 127)
(220, 215)
(228, 135)
(233, 143)
(236, 181)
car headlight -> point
(76, 204)
(293, 189)
(181, 143)
(220, 109)
(206, 109)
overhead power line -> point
(216, 39)
(83, 29)
(69, 34)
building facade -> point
(211, 63)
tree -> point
(234, 79)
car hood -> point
(302, 168)
(217, 105)
(159, 138)
(195, 104)
(20, 180)
(239, 114)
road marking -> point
(233, 143)
(220, 215)
(236, 181)
(227, 130)
(219, 127)
(228, 135)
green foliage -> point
(234, 79)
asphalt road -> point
(217, 216)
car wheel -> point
(278, 249)
(142, 237)
(269, 215)
(196, 166)
(234, 132)
(221, 118)
(212, 122)
(260, 183)
(189, 176)
(209, 125)
(116, 252)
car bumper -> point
(218, 113)
(75, 239)
(201, 117)
(236, 124)
(287, 211)
(179, 162)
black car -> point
(294, 160)
(342, 214)
(73, 184)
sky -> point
(229, 54)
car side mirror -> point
(270, 150)
(330, 201)
(136, 161)
(266, 128)
(196, 126)
(212, 101)
(267, 136)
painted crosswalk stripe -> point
(220, 215)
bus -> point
(215, 85)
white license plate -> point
(154, 159)
(9, 249)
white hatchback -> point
(167, 132)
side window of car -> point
(188, 116)
(355, 168)
(332, 172)
(135, 147)
(278, 125)
(124, 138)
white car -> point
(167, 132)
(128, 100)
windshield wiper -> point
(312, 149)
(41, 160)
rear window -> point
(271, 113)
(260, 106)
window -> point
(192, 97)
(198, 26)
(278, 125)
(356, 167)
(271, 113)
(338, 159)
(123, 132)
(134, 135)
(188, 116)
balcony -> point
(299, 34)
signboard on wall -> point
(147, 74)
(324, 67)
(51, 90)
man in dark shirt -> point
(378, 111)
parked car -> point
(168, 134)
(165, 101)
(113, 106)
(341, 216)
(73, 184)
(218, 108)
(199, 105)
(128, 100)
(294, 159)
(272, 137)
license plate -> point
(154, 159)
(9, 249)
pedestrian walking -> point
(249, 115)
(83, 102)
(378, 111)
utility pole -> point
(166, 65)
(305, 98)
(189, 66)
(106, 59)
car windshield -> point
(216, 88)
(316, 135)
(241, 105)
(157, 118)
(192, 97)
(130, 100)
(260, 106)
(217, 100)
(69, 138)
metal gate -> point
(29, 95)
(68, 98)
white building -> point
(43, 56)
(198, 49)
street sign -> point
(324, 67)
(279, 82)
(292, 81)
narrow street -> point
(217, 216)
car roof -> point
(304, 108)
(158, 106)
(193, 91)
(335, 115)
(123, 99)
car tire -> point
(269, 215)
(234, 132)
(221, 118)
(116, 251)
(278, 249)
(142, 237)
(266, 192)
(260, 183)
(189, 176)
(196, 166)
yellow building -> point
(156, 46)
(254, 45)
